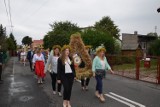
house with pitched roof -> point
(136, 44)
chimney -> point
(136, 32)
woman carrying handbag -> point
(99, 68)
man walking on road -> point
(1, 63)
(29, 57)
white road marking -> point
(119, 100)
(13, 66)
(128, 100)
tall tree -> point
(155, 48)
(11, 36)
(60, 34)
(152, 34)
(10, 44)
(107, 25)
(64, 28)
(96, 38)
(3, 37)
(27, 40)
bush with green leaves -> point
(155, 48)
(95, 38)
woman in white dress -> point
(23, 57)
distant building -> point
(37, 43)
(136, 44)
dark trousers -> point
(67, 82)
(0, 72)
(30, 64)
(85, 82)
(99, 84)
(54, 81)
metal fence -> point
(147, 69)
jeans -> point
(99, 84)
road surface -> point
(20, 89)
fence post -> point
(158, 70)
(137, 67)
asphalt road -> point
(20, 89)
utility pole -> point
(155, 29)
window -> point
(144, 45)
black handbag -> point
(100, 72)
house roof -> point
(38, 41)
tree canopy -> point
(60, 34)
(27, 40)
(155, 48)
(3, 37)
(96, 38)
(152, 34)
(107, 25)
(12, 39)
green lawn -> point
(132, 67)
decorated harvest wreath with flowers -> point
(80, 54)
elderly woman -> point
(99, 67)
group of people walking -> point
(61, 68)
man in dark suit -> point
(29, 57)
(1, 64)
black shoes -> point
(1, 81)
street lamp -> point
(158, 10)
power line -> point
(9, 6)
(33, 13)
(6, 11)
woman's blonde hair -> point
(100, 50)
(38, 50)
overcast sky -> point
(32, 17)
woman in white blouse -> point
(52, 61)
(38, 63)
(23, 57)
(66, 74)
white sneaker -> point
(59, 94)
(54, 92)
(39, 81)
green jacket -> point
(97, 64)
(1, 57)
